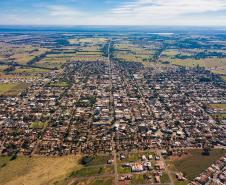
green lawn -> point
(165, 178)
(138, 179)
(123, 170)
(38, 125)
(195, 163)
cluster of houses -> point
(91, 107)
(90, 104)
(162, 109)
(151, 166)
(214, 175)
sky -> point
(113, 12)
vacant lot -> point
(218, 106)
(98, 160)
(136, 156)
(93, 171)
(38, 125)
(59, 84)
(36, 170)
(12, 89)
(195, 163)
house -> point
(137, 167)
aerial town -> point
(136, 108)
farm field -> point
(2, 68)
(52, 62)
(19, 54)
(23, 70)
(207, 63)
(195, 163)
(12, 89)
(217, 66)
(38, 170)
(87, 40)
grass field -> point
(36, 170)
(20, 53)
(138, 179)
(218, 106)
(12, 89)
(93, 171)
(221, 108)
(30, 70)
(165, 178)
(93, 181)
(99, 160)
(4, 160)
(123, 170)
(88, 174)
(195, 163)
(217, 66)
(224, 78)
(38, 125)
(59, 84)
(219, 116)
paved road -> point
(112, 114)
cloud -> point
(169, 7)
(58, 10)
(132, 12)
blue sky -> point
(113, 12)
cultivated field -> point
(21, 54)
